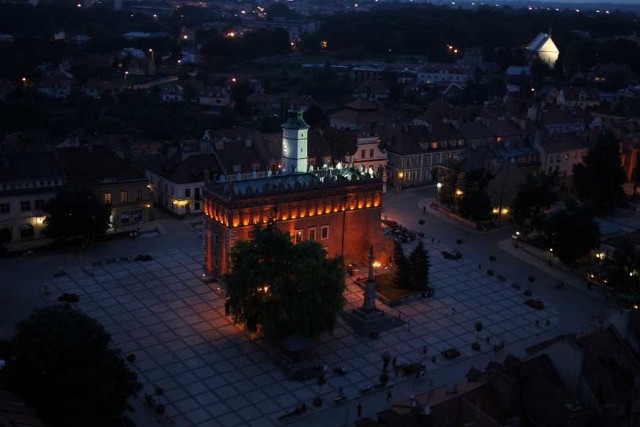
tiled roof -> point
(94, 165)
(32, 165)
(475, 131)
(195, 168)
(609, 367)
(503, 128)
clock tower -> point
(294, 143)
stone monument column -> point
(369, 305)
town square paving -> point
(213, 373)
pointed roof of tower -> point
(295, 120)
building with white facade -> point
(545, 49)
(27, 182)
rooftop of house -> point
(564, 142)
(195, 168)
(610, 367)
(475, 130)
(29, 166)
(574, 93)
(373, 86)
(259, 98)
(503, 128)
(94, 165)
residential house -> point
(414, 152)
(556, 120)
(114, 180)
(363, 73)
(176, 183)
(217, 97)
(513, 392)
(438, 73)
(372, 90)
(262, 104)
(601, 370)
(611, 74)
(358, 114)
(476, 135)
(578, 97)
(559, 153)
(141, 66)
(57, 84)
(172, 93)
(506, 132)
(96, 88)
(28, 180)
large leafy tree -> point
(76, 212)
(533, 198)
(475, 203)
(418, 268)
(599, 177)
(284, 288)
(63, 365)
(572, 233)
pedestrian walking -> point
(389, 395)
(453, 311)
(479, 266)
(538, 323)
(359, 410)
(424, 350)
(424, 209)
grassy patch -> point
(386, 287)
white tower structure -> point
(294, 143)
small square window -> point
(25, 205)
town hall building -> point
(339, 207)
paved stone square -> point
(214, 374)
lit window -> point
(298, 236)
(324, 232)
(107, 197)
(124, 196)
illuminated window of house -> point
(298, 236)
(124, 196)
(324, 232)
(107, 197)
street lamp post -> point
(550, 255)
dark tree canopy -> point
(76, 212)
(419, 268)
(572, 233)
(284, 288)
(401, 263)
(533, 198)
(475, 203)
(600, 176)
(63, 366)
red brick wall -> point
(358, 213)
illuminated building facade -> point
(338, 207)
